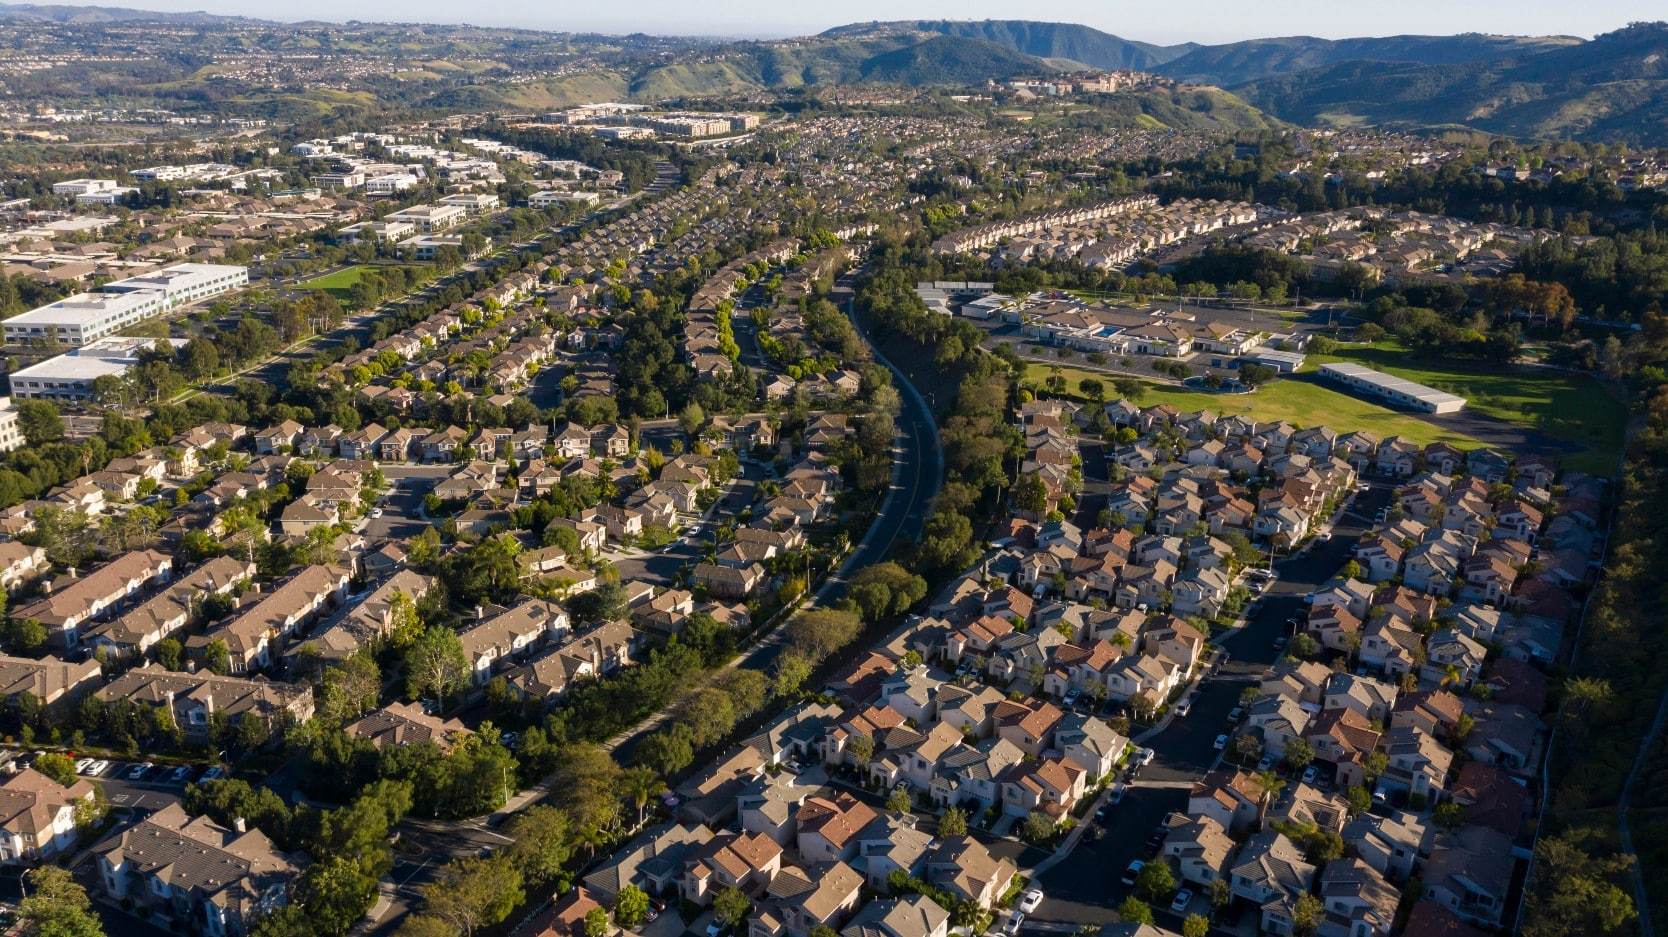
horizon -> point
(1229, 23)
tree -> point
(640, 784)
(596, 923)
(792, 670)
(39, 421)
(471, 892)
(730, 906)
(1220, 895)
(691, 418)
(435, 664)
(952, 823)
(631, 906)
(1299, 754)
(1196, 925)
(57, 906)
(543, 843)
(1359, 800)
(899, 800)
(170, 653)
(1155, 880)
(861, 748)
(217, 657)
(1135, 911)
(1307, 915)
(1575, 892)
(1255, 374)
(1038, 827)
(57, 766)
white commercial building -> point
(473, 203)
(549, 197)
(76, 187)
(390, 184)
(70, 376)
(430, 218)
(85, 317)
(11, 434)
(1396, 390)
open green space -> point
(1575, 409)
(337, 283)
(1300, 404)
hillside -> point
(1612, 88)
(1043, 40)
(1240, 62)
(945, 60)
(96, 15)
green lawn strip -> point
(1298, 403)
(337, 282)
(1571, 408)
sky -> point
(1206, 21)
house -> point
(54, 684)
(190, 699)
(38, 815)
(1470, 873)
(1231, 798)
(1373, 699)
(828, 827)
(195, 872)
(1200, 847)
(747, 861)
(1418, 763)
(728, 581)
(909, 916)
(966, 869)
(252, 633)
(75, 600)
(653, 862)
(406, 724)
(1271, 873)
(1358, 902)
(20, 562)
(798, 901)
(1391, 844)
(136, 631)
(511, 633)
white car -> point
(1184, 707)
(1011, 926)
(1143, 756)
(82, 765)
(139, 770)
(376, 512)
(1180, 902)
(98, 767)
(1310, 774)
(1029, 901)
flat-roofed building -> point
(11, 433)
(430, 218)
(85, 317)
(70, 376)
(1396, 390)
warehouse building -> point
(1398, 391)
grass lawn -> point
(1300, 404)
(1572, 408)
(337, 283)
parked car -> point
(1181, 901)
(1265, 763)
(1310, 774)
(1183, 708)
(214, 773)
(1012, 924)
(98, 767)
(376, 512)
(82, 765)
(1133, 872)
(1029, 901)
(138, 770)
(1116, 794)
(180, 774)
(1235, 713)
(1221, 742)
(1142, 757)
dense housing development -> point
(926, 479)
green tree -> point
(596, 923)
(730, 906)
(1135, 911)
(543, 843)
(631, 907)
(1196, 925)
(1307, 915)
(1038, 827)
(435, 664)
(57, 906)
(1576, 892)
(899, 800)
(472, 892)
(1155, 880)
(57, 766)
(952, 823)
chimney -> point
(240, 825)
(480, 613)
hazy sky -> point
(1200, 20)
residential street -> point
(1086, 886)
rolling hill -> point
(1241, 62)
(96, 15)
(1067, 41)
(945, 60)
(1612, 88)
